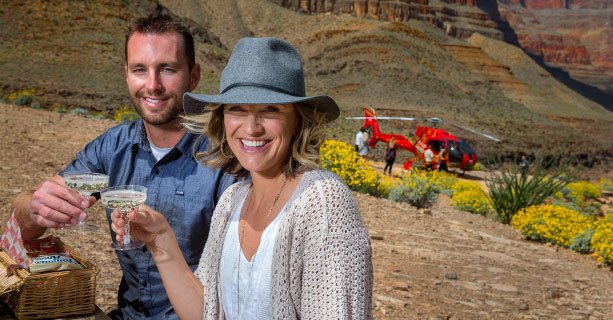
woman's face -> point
(261, 135)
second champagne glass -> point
(85, 183)
(125, 198)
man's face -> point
(157, 74)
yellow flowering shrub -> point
(24, 97)
(341, 158)
(551, 223)
(602, 240)
(463, 185)
(443, 181)
(12, 97)
(125, 113)
(470, 200)
(605, 184)
(580, 191)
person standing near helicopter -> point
(363, 145)
(390, 155)
(428, 157)
(442, 160)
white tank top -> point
(254, 275)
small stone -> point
(376, 237)
(400, 285)
(523, 306)
(451, 275)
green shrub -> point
(511, 191)
(79, 111)
(581, 243)
(416, 189)
(125, 113)
(25, 97)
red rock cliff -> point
(573, 35)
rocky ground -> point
(438, 263)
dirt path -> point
(429, 264)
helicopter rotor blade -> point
(477, 132)
(383, 118)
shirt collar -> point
(185, 145)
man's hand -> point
(49, 205)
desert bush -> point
(125, 113)
(605, 184)
(25, 97)
(56, 107)
(416, 189)
(551, 223)
(79, 111)
(474, 201)
(582, 242)
(602, 240)
(511, 191)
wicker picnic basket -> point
(51, 294)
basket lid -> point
(11, 279)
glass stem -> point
(126, 236)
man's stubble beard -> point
(170, 114)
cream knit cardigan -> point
(322, 267)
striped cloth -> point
(13, 244)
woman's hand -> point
(146, 224)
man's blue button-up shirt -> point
(180, 188)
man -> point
(155, 152)
(359, 139)
(428, 157)
(442, 160)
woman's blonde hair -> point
(304, 154)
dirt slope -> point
(436, 264)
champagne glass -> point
(87, 184)
(125, 198)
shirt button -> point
(143, 283)
(144, 249)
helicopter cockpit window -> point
(436, 145)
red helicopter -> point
(460, 154)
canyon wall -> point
(573, 37)
(458, 18)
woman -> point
(390, 155)
(287, 242)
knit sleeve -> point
(337, 277)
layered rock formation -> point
(573, 37)
(459, 18)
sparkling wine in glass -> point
(125, 198)
(85, 183)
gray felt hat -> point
(262, 71)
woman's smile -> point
(260, 135)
